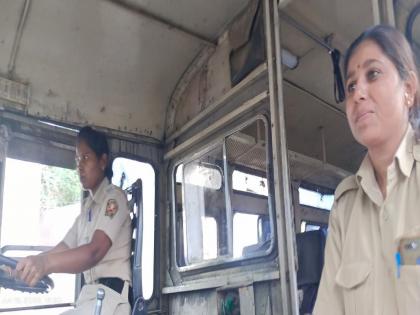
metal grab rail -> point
(35, 248)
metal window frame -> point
(221, 262)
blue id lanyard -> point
(398, 262)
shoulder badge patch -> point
(111, 208)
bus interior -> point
(227, 129)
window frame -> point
(51, 138)
(222, 261)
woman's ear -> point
(103, 161)
(411, 87)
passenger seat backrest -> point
(310, 248)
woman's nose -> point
(360, 91)
(79, 166)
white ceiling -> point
(85, 59)
(207, 18)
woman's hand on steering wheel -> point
(9, 278)
(31, 269)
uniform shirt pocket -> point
(408, 290)
(353, 279)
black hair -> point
(396, 47)
(98, 143)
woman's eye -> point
(372, 74)
(351, 87)
(82, 158)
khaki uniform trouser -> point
(112, 304)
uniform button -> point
(385, 215)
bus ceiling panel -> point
(92, 62)
(310, 29)
(316, 172)
(9, 19)
(314, 65)
(317, 131)
(205, 18)
(333, 17)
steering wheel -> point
(7, 281)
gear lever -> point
(100, 294)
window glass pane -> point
(314, 199)
(246, 152)
(203, 175)
(209, 238)
(249, 183)
(40, 205)
(126, 172)
(245, 233)
(200, 197)
(208, 224)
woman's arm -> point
(60, 247)
(62, 259)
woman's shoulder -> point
(115, 191)
(347, 185)
(344, 197)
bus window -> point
(126, 172)
(249, 183)
(220, 195)
(209, 238)
(40, 204)
(315, 199)
(245, 232)
(306, 226)
(202, 199)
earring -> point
(407, 99)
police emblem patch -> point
(111, 208)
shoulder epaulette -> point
(348, 183)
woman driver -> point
(98, 244)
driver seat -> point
(136, 212)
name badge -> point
(410, 251)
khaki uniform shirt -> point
(360, 272)
(107, 210)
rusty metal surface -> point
(200, 302)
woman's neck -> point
(95, 189)
(382, 156)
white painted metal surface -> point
(93, 62)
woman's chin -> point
(85, 186)
(370, 140)
(367, 136)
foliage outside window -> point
(221, 200)
(40, 204)
(60, 187)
